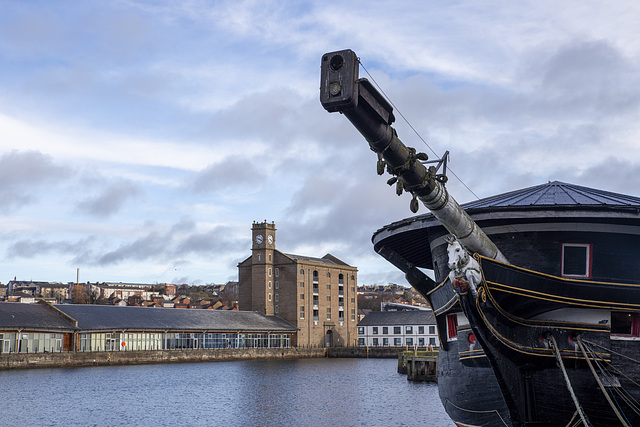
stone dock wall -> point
(105, 358)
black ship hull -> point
(509, 369)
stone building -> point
(317, 295)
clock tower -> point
(262, 271)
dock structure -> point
(419, 365)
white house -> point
(398, 329)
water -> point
(305, 392)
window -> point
(360, 330)
(452, 327)
(397, 330)
(385, 342)
(269, 296)
(316, 316)
(277, 272)
(421, 330)
(409, 341)
(360, 341)
(269, 284)
(328, 314)
(576, 260)
(375, 341)
(302, 271)
(277, 308)
(277, 285)
(328, 298)
(385, 330)
(432, 330)
(625, 323)
(421, 342)
(276, 297)
(302, 284)
(409, 329)
(374, 330)
(397, 342)
(269, 271)
(329, 287)
(302, 312)
(301, 296)
(432, 341)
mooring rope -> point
(556, 352)
(604, 391)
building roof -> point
(555, 193)
(14, 315)
(105, 317)
(386, 318)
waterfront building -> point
(398, 329)
(317, 295)
(43, 327)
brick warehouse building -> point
(317, 295)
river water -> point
(301, 392)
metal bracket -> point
(433, 170)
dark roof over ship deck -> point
(406, 242)
(555, 193)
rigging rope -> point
(611, 351)
(556, 352)
(412, 128)
(621, 391)
(595, 375)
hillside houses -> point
(210, 297)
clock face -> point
(259, 239)
(270, 239)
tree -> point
(79, 294)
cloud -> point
(111, 200)
(23, 172)
(231, 174)
(30, 248)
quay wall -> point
(105, 358)
(366, 352)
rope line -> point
(615, 406)
(412, 128)
(611, 351)
(556, 352)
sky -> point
(140, 140)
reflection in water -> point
(305, 392)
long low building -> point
(43, 327)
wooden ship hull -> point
(497, 364)
(552, 335)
